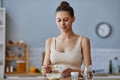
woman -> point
(68, 48)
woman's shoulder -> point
(49, 40)
(85, 40)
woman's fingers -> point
(46, 68)
(66, 72)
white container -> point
(11, 68)
(7, 69)
(74, 75)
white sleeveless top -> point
(71, 59)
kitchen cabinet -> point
(2, 41)
(16, 58)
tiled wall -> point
(35, 57)
(100, 58)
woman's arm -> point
(86, 51)
(47, 52)
(46, 64)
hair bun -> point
(64, 3)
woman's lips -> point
(63, 27)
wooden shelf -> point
(16, 73)
(16, 45)
(15, 58)
(16, 54)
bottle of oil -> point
(115, 66)
(110, 66)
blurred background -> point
(33, 21)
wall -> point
(0, 3)
(34, 20)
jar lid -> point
(20, 61)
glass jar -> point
(21, 66)
(88, 74)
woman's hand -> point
(67, 72)
(46, 69)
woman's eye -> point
(65, 19)
(58, 20)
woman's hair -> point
(64, 6)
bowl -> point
(59, 67)
(53, 76)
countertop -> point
(39, 74)
(32, 76)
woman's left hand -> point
(67, 72)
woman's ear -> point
(73, 19)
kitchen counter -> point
(39, 76)
(107, 76)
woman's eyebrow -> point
(63, 18)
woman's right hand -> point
(46, 69)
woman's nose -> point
(62, 23)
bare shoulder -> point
(48, 40)
(85, 40)
(48, 44)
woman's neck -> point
(66, 35)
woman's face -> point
(64, 20)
